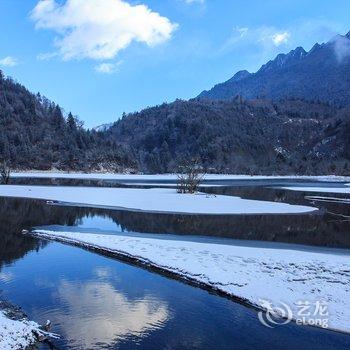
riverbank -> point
(249, 274)
(167, 177)
(17, 332)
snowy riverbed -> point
(249, 273)
(152, 200)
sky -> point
(100, 58)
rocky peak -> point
(284, 59)
(242, 74)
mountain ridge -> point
(323, 73)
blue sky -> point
(100, 58)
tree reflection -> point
(20, 214)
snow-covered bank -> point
(345, 190)
(168, 177)
(16, 331)
(16, 334)
(249, 273)
(154, 200)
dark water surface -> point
(96, 302)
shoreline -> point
(17, 331)
(168, 271)
(168, 176)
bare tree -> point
(5, 172)
(190, 174)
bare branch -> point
(190, 175)
(5, 173)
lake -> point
(95, 302)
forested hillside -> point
(239, 136)
(290, 136)
(36, 135)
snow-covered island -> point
(152, 200)
(250, 273)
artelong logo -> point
(308, 313)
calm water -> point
(96, 302)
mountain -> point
(102, 127)
(239, 136)
(322, 74)
(36, 135)
(300, 124)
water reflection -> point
(100, 314)
(321, 229)
(19, 214)
(100, 303)
(96, 302)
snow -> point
(155, 200)
(328, 199)
(103, 127)
(158, 184)
(164, 177)
(344, 190)
(251, 273)
(16, 334)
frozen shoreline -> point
(170, 177)
(16, 331)
(160, 200)
(343, 190)
(16, 334)
(247, 273)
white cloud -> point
(257, 45)
(240, 32)
(280, 38)
(9, 61)
(271, 36)
(341, 47)
(99, 29)
(194, 1)
(266, 36)
(273, 39)
(46, 56)
(107, 67)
